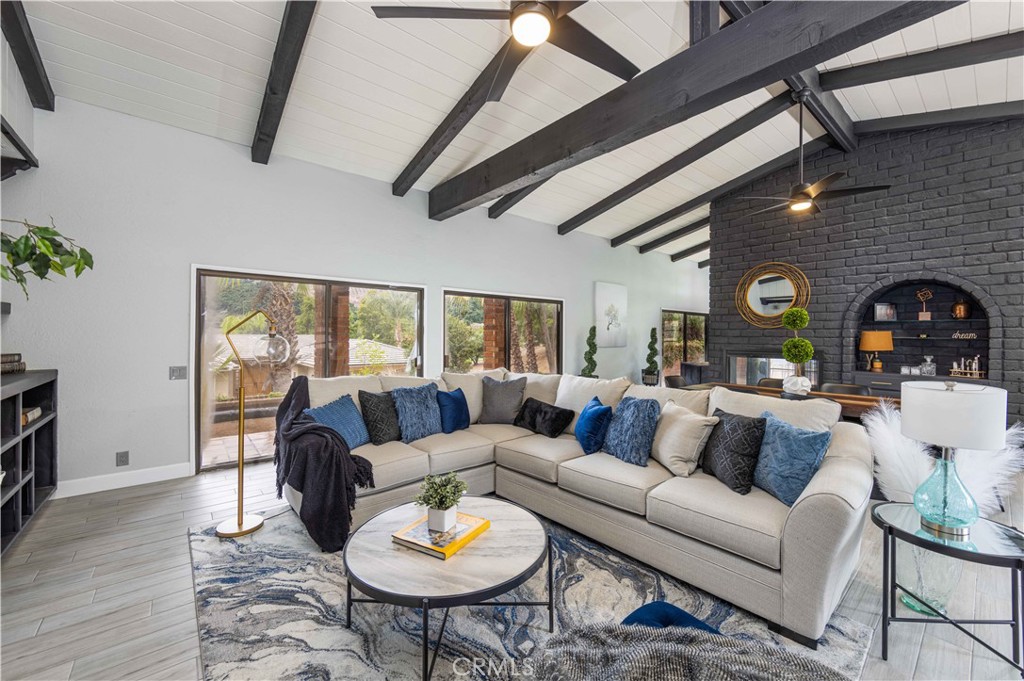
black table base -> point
(429, 658)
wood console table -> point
(854, 406)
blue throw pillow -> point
(592, 426)
(418, 412)
(454, 410)
(631, 432)
(343, 416)
(789, 458)
(659, 614)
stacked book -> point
(10, 363)
(441, 545)
(30, 414)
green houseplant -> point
(39, 251)
(797, 350)
(590, 364)
(441, 495)
(650, 374)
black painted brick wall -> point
(956, 207)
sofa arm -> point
(822, 536)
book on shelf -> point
(441, 545)
(12, 367)
(10, 357)
(29, 415)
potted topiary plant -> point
(588, 356)
(796, 350)
(441, 495)
(650, 375)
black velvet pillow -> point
(543, 418)
(732, 450)
(380, 416)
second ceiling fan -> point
(532, 23)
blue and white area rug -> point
(272, 606)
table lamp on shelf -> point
(276, 349)
(953, 416)
(875, 342)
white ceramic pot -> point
(441, 521)
(797, 385)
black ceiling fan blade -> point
(778, 206)
(563, 7)
(574, 39)
(510, 56)
(822, 184)
(851, 191)
(407, 12)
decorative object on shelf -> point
(276, 349)
(874, 342)
(39, 251)
(928, 366)
(797, 350)
(967, 367)
(951, 416)
(885, 312)
(441, 495)
(590, 363)
(767, 290)
(924, 295)
(650, 375)
(610, 308)
(961, 309)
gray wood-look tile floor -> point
(100, 587)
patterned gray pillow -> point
(380, 416)
(502, 400)
(732, 450)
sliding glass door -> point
(683, 337)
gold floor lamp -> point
(276, 350)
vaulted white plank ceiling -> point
(369, 92)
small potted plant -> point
(588, 356)
(441, 495)
(797, 350)
(650, 375)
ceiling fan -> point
(532, 23)
(804, 197)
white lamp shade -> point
(967, 417)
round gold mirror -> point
(768, 290)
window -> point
(683, 336)
(487, 332)
(333, 328)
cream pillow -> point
(575, 391)
(472, 387)
(543, 387)
(680, 438)
(694, 400)
(325, 390)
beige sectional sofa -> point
(789, 565)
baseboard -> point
(102, 483)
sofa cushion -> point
(472, 388)
(703, 508)
(694, 400)
(394, 464)
(380, 416)
(815, 414)
(574, 392)
(732, 450)
(499, 432)
(631, 432)
(344, 418)
(604, 478)
(680, 438)
(543, 387)
(454, 410)
(325, 390)
(545, 419)
(389, 383)
(537, 456)
(455, 451)
(502, 400)
(789, 458)
(418, 412)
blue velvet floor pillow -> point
(418, 412)
(631, 432)
(343, 416)
(454, 410)
(789, 458)
(659, 614)
(592, 426)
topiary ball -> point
(798, 350)
(795, 318)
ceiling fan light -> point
(531, 23)
(800, 205)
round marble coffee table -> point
(505, 556)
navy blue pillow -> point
(454, 410)
(592, 426)
(418, 412)
(789, 458)
(343, 416)
(660, 614)
(631, 432)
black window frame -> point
(685, 313)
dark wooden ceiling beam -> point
(26, 54)
(787, 38)
(985, 113)
(290, 38)
(676, 257)
(703, 19)
(704, 264)
(778, 163)
(9, 165)
(741, 125)
(675, 235)
(737, 9)
(966, 54)
(504, 203)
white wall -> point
(150, 201)
(14, 101)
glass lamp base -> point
(946, 506)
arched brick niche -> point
(861, 303)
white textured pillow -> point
(543, 387)
(389, 383)
(472, 387)
(575, 391)
(694, 400)
(818, 414)
(680, 438)
(325, 390)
